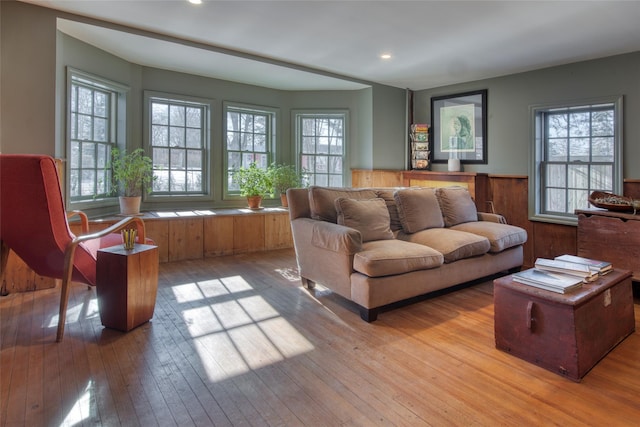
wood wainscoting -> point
(189, 235)
(508, 195)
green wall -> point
(32, 100)
(35, 57)
(510, 98)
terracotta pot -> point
(254, 202)
(130, 205)
(283, 200)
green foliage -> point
(132, 172)
(284, 177)
(252, 181)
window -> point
(92, 128)
(578, 148)
(178, 141)
(250, 136)
(321, 145)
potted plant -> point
(133, 173)
(254, 184)
(284, 177)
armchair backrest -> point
(33, 221)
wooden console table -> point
(476, 183)
(127, 284)
(610, 236)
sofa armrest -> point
(491, 217)
(325, 251)
(336, 238)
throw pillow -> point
(322, 200)
(370, 217)
(457, 205)
(418, 209)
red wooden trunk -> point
(566, 334)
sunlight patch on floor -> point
(85, 310)
(234, 329)
(81, 409)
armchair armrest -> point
(70, 252)
(491, 217)
(84, 220)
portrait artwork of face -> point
(458, 134)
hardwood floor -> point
(237, 341)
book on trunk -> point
(566, 267)
(560, 283)
(601, 267)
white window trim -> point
(274, 114)
(119, 116)
(535, 211)
(176, 199)
(297, 114)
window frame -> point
(537, 176)
(298, 115)
(207, 193)
(119, 94)
(273, 115)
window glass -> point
(178, 130)
(92, 135)
(322, 147)
(249, 138)
(578, 150)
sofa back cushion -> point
(322, 200)
(369, 216)
(386, 194)
(418, 209)
(457, 205)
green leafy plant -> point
(132, 172)
(284, 177)
(253, 181)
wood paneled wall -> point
(509, 196)
(224, 232)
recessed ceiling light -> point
(195, 1)
(385, 56)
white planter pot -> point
(454, 165)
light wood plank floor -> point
(237, 341)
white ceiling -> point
(306, 44)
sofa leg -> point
(310, 284)
(369, 314)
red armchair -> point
(33, 223)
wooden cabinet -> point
(610, 236)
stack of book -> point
(563, 274)
(600, 267)
(564, 267)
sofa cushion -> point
(388, 257)
(387, 195)
(457, 205)
(452, 244)
(418, 209)
(321, 200)
(501, 236)
(369, 216)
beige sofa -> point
(378, 246)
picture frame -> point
(459, 127)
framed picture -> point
(459, 127)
